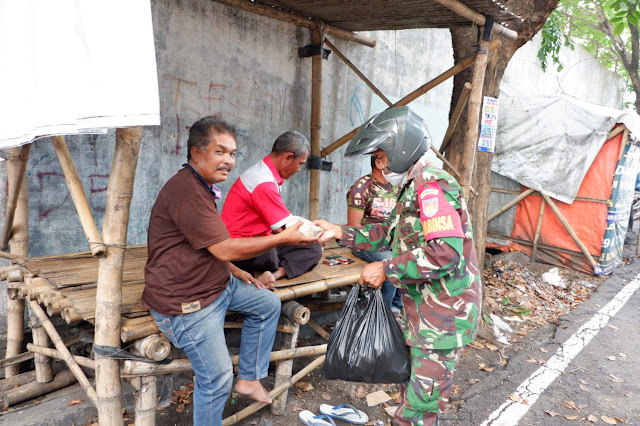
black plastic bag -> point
(367, 344)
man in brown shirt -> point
(190, 283)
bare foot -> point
(253, 389)
(267, 279)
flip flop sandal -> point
(310, 419)
(345, 412)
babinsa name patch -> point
(438, 217)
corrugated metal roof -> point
(372, 15)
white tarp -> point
(548, 143)
(75, 66)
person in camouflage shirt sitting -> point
(434, 262)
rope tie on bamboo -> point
(112, 352)
(120, 246)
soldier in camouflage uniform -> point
(434, 263)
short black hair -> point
(373, 161)
(202, 131)
(291, 141)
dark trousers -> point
(296, 260)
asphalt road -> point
(583, 370)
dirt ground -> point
(506, 296)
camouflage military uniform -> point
(435, 268)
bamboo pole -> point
(509, 204)
(454, 171)
(321, 331)
(566, 225)
(44, 370)
(132, 332)
(280, 328)
(275, 392)
(146, 401)
(536, 237)
(18, 160)
(11, 397)
(20, 247)
(54, 353)
(109, 289)
(79, 199)
(293, 292)
(296, 313)
(316, 125)
(477, 18)
(18, 380)
(298, 20)
(457, 112)
(155, 347)
(617, 130)
(473, 118)
(132, 368)
(357, 71)
(284, 369)
(64, 352)
(460, 66)
(5, 255)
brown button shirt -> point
(181, 276)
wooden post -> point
(20, 247)
(64, 352)
(18, 160)
(53, 353)
(566, 225)
(109, 289)
(623, 143)
(536, 237)
(509, 204)
(477, 18)
(272, 12)
(457, 112)
(284, 369)
(44, 372)
(77, 195)
(473, 118)
(316, 125)
(11, 397)
(460, 66)
(357, 71)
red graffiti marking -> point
(98, 185)
(43, 211)
(176, 99)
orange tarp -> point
(587, 219)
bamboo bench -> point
(65, 285)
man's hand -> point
(247, 277)
(331, 231)
(373, 275)
(291, 236)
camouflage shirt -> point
(376, 199)
(434, 261)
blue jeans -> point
(389, 291)
(201, 335)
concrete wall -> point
(214, 59)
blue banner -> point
(622, 192)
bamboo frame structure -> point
(316, 125)
(540, 245)
(77, 195)
(146, 402)
(457, 112)
(298, 20)
(19, 247)
(44, 370)
(284, 368)
(109, 289)
(54, 353)
(460, 66)
(64, 352)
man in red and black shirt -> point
(190, 283)
(254, 207)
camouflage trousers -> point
(429, 387)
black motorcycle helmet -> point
(399, 132)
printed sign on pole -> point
(488, 125)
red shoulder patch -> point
(438, 218)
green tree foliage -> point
(608, 29)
